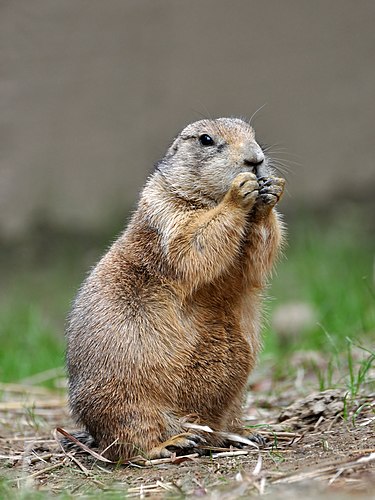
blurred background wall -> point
(92, 91)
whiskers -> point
(279, 159)
(256, 112)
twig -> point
(80, 464)
(279, 433)
(158, 461)
(363, 452)
(258, 466)
(333, 421)
(43, 471)
(333, 479)
(110, 446)
(22, 405)
(319, 421)
(11, 457)
(152, 487)
(281, 436)
(236, 453)
(44, 458)
(26, 439)
(20, 388)
(81, 445)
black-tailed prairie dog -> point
(167, 323)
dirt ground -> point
(320, 444)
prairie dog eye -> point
(206, 140)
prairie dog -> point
(167, 323)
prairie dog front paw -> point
(243, 191)
(271, 190)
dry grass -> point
(322, 442)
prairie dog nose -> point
(254, 155)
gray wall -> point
(92, 91)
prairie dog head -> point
(207, 155)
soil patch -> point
(317, 444)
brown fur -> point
(167, 324)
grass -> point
(328, 265)
(40, 277)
